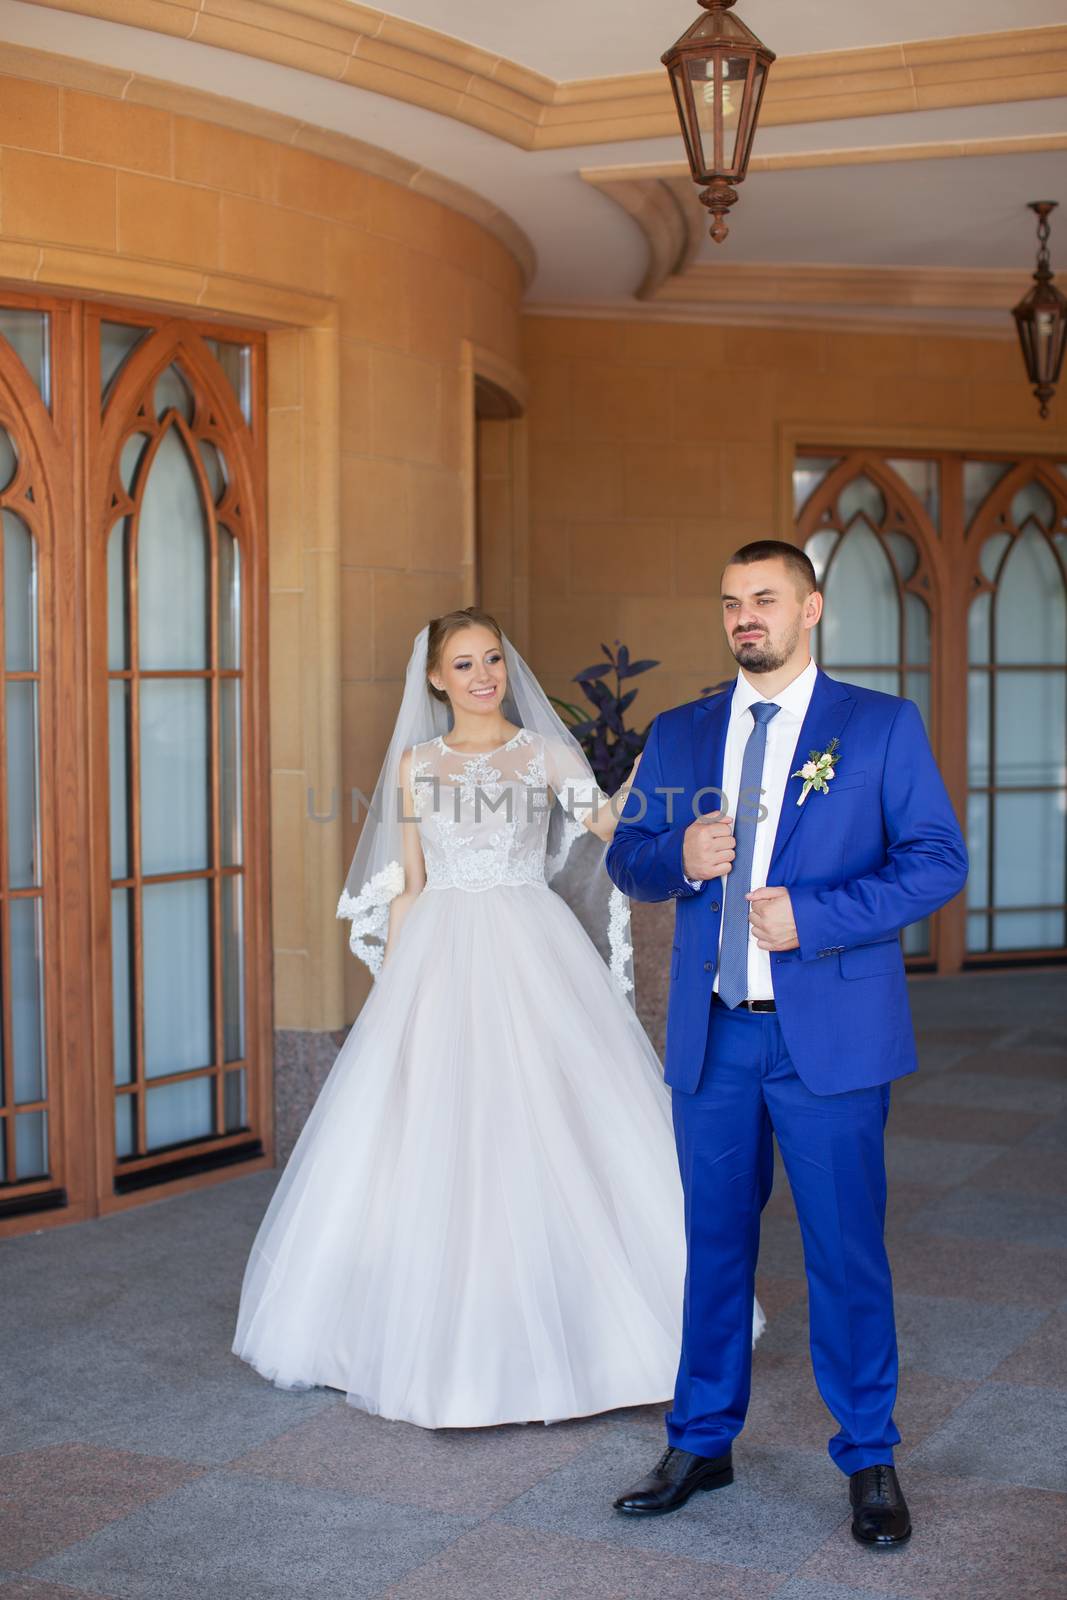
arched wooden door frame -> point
(218, 420)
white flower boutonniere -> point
(817, 771)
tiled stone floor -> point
(138, 1458)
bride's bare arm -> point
(606, 820)
(414, 865)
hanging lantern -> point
(1041, 317)
(718, 71)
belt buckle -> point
(758, 1006)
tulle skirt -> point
(481, 1221)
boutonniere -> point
(817, 771)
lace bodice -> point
(483, 819)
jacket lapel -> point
(709, 752)
(828, 710)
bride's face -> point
(471, 670)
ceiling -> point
(598, 38)
(931, 189)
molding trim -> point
(890, 324)
(42, 66)
(369, 49)
(675, 274)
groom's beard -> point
(760, 655)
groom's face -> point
(765, 615)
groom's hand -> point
(708, 846)
(771, 915)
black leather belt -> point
(749, 1005)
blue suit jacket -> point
(880, 850)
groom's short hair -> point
(794, 558)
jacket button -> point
(714, 906)
(709, 966)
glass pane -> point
(917, 629)
(917, 688)
(125, 1125)
(27, 1000)
(9, 461)
(734, 83)
(808, 473)
(992, 554)
(977, 934)
(130, 459)
(233, 982)
(978, 729)
(175, 775)
(172, 392)
(1031, 727)
(885, 681)
(172, 562)
(819, 549)
(861, 620)
(236, 362)
(178, 1112)
(1031, 608)
(979, 622)
(980, 478)
(31, 1145)
(1028, 850)
(229, 553)
(118, 706)
(1028, 930)
(917, 938)
(863, 498)
(118, 630)
(20, 595)
(905, 553)
(177, 976)
(235, 1100)
(28, 334)
(1034, 503)
(23, 781)
(122, 1013)
(230, 770)
(214, 468)
(118, 341)
(978, 883)
(923, 479)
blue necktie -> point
(733, 952)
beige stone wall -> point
(656, 449)
(384, 292)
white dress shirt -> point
(782, 734)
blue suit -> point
(880, 850)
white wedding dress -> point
(481, 1221)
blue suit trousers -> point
(833, 1151)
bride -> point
(481, 1221)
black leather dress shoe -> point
(879, 1511)
(676, 1475)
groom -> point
(788, 1012)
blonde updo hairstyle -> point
(441, 630)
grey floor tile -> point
(1013, 1062)
(1050, 1134)
(1024, 1171)
(967, 1124)
(464, 1472)
(935, 1161)
(243, 1539)
(1042, 1359)
(968, 1544)
(980, 1214)
(782, 1505)
(1000, 1092)
(31, 1589)
(1004, 1433)
(960, 1338)
(993, 1270)
(812, 1589)
(54, 1497)
(494, 1562)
